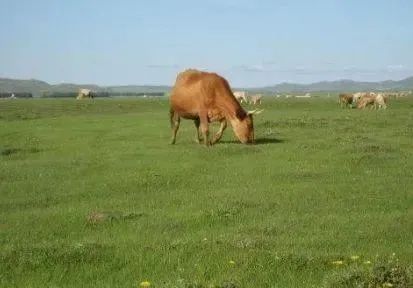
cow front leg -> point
(198, 137)
(221, 130)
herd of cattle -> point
(243, 97)
(373, 100)
(362, 100)
(207, 97)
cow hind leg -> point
(221, 130)
(175, 120)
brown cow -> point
(346, 99)
(366, 100)
(207, 97)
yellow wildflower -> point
(367, 262)
(387, 284)
(354, 257)
(338, 262)
(145, 284)
(231, 262)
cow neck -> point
(233, 111)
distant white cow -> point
(84, 94)
(255, 99)
(380, 101)
(241, 96)
(404, 93)
(391, 94)
(306, 95)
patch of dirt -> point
(102, 217)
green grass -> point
(322, 184)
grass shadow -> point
(12, 151)
(258, 141)
(264, 140)
(8, 151)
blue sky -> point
(251, 43)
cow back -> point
(197, 92)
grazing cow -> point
(366, 100)
(345, 100)
(391, 94)
(207, 97)
(241, 96)
(404, 93)
(84, 93)
(380, 101)
(255, 99)
(357, 96)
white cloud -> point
(396, 67)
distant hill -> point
(138, 89)
(23, 86)
(40, 88)
(341, 85)
(68, 87)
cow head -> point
(244, 127)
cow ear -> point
(255, 112)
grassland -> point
(92, 195)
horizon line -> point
(170, 85)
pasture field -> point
(93, 195)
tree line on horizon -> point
(100, 94)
